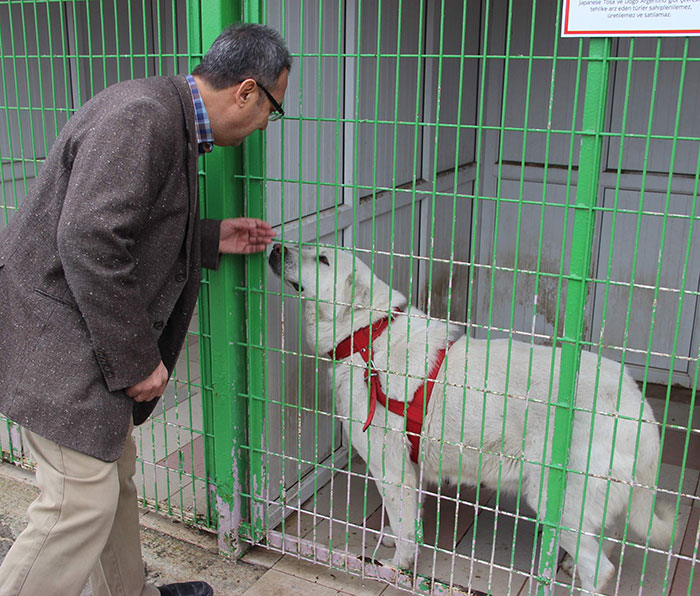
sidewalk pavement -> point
(172, 551)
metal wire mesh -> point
(524, 188)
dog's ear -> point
(326, 311)
(359, 294)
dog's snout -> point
(275, 258)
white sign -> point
(630, 18)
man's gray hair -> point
(245, 51)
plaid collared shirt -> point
(205, 137)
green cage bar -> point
(222, 305)
(256, 273)
(581, 248)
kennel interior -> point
(520, 184)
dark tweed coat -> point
(100, 266)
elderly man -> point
(99, 275)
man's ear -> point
(245, 91)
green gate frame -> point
(233, 318)
(222, 315)
(595, 100)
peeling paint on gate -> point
(15, 441)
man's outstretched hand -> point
(244, 235)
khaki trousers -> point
(84, 524)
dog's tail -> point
(661, 531)
(641, 515)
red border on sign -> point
(617, 32)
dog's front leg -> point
(396, 480)
(401, 501)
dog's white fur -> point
(471, 431)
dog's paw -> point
(387, 538)
(404, 564)
(567, 565)
(391, 563)
(405, 568)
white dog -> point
(484, 423)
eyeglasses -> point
(279, 112)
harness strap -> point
(412, 412)
(360, 340)
(415, 411)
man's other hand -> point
(151, 387)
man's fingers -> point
(252, 248)
(139, 389)
(258, 227)
(146, 396)
(258, 222)
(151, 387)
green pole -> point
(581, 248)
(222, 315)
(257, 316)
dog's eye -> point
(323, 259)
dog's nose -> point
(275, 258)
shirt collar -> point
(205, 137)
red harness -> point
(362, 341)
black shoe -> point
(187, 589)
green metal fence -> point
(513, 183)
